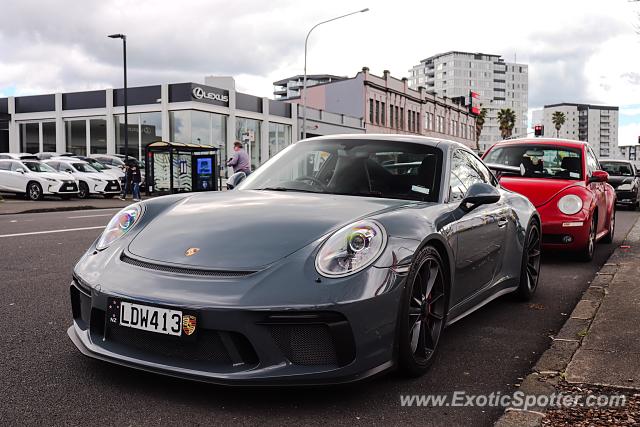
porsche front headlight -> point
(351, 249)
(570, 204)
(120, 225)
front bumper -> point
(293, 344)
(626, 197)
(111, 186)
(564, 232)
(60, 188)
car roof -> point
(572, 143)
(628, 162)
(416, 139)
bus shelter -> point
(176, 167)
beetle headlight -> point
(351, 249)
(120, 225)
(570, 204)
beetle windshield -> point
(617, 168)
(539, 161)
(370, 168)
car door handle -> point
(502, 222)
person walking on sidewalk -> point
(126, 181)
(240, 161)
(136, 178)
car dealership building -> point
(92, 122)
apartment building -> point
(500, 84)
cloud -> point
(629, 134)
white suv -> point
(35, 179)
(90, 181)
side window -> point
(5, 166)
(592, 163)
(481, 169)
(15, 166)
(463, 175)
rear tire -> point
(530, 267)
(84, 190)
(587, 252)
(34, 191)
(422, 313)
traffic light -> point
(538, 130)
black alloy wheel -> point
(589, 250)
(34, 191)
(83, 192)
(423, 312)
(531, 256)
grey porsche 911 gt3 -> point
(340, 258)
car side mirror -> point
(235, 179)
(20, 170)
(599, 176)
(68, 170)
(478, 194)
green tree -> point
(506, 122)
(558, 118)
(479, 125)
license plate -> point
(151, 319)
(69, 187)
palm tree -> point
(479, 125)
(558, 119)
(506, 120)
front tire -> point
(530, 268)
(34, 191)
(83, 192)
(587, 252)
(423, 313)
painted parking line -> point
(65, 230)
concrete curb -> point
(551, 366)
(59, 209)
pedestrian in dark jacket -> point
(125, 181)
(136, 178)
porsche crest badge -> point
(188, 324)
(191, 251)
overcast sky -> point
(577, 50)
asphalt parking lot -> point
(46, 380)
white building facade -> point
(595, 124)
(500, 85)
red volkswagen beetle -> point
(564, 181)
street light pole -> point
(126, 118)
(304, 82)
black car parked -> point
(625, 178)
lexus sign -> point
(210, 95)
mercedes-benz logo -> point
(198, 93)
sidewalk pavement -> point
(17, 205)
(597, 351)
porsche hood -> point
(247, 229)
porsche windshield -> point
(38, 167)
(370, 168)
(617, 168)
(539, 161)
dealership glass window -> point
(180, 126)
(248, 132)
(200, 127)
(279, 137)
(150, 128)
(133, 134)
(76, 136)
(29, 137)
(49, 136)
(98, 136)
